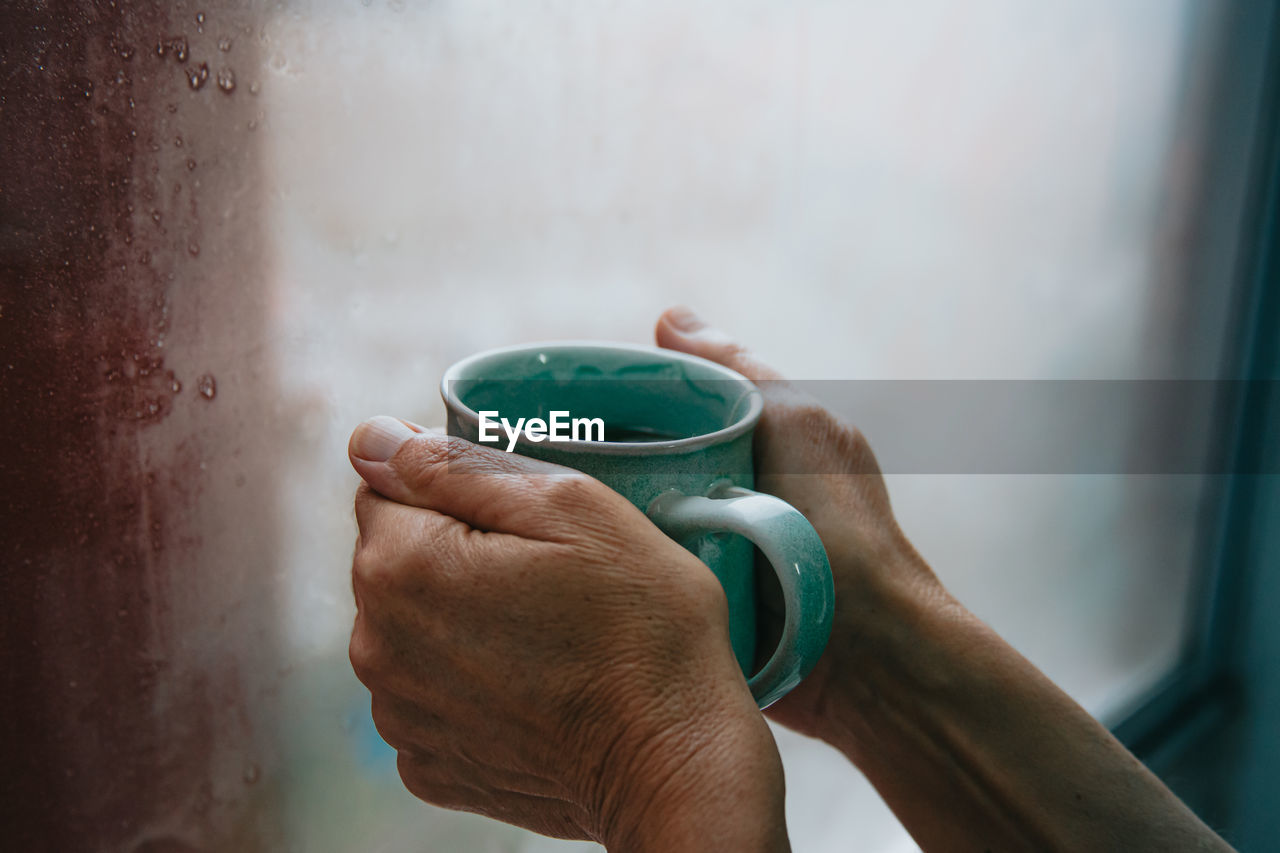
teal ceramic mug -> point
(672, 433)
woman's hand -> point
(825, 468)
(969, 744)
(540, 653)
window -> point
(328, 203)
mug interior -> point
(644, 395)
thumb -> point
(375, 452)
(482, 486)
(680, 329)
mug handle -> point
(794, 549)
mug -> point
(672, 433)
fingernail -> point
(378, 439)
(695, 328)
(683, 318)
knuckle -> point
(366, 506)
(579, 509)
(364, 657)
(372, 571)
(814, 418)
(409, 766)
(738, 356)
(704, 593)
(417, 775)
(697, 599)
(574, 490)
(424, 460)
(385, 721)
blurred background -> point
(229, 232)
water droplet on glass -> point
(178, 44)
(196, 76)
(207, 387)
(224, 44)
(251, 773)
(155, 216)
(152, 408)
(227, 80)
(176, 386)
(132, 105)
(191, 164)
(126, 51)
(177, 141)
(199, 17)
(193, 249)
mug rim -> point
(744, 423)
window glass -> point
(335, 201)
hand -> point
(969, 744)
(540, 653)
(824, 468)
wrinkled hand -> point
(823, 467)
(540, 653)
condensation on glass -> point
(232, 231)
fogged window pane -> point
(344, 197)
(856, 190)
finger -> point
(484, 487)
(468, 744)
(387, 528)
(680, 329)
(400, 731)
(435, 779)
(410, 557)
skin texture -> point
(538, 652)
(971, 746)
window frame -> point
(1204, 689)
